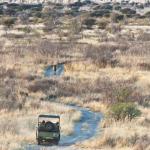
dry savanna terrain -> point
(106, 58)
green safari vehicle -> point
(48, 130)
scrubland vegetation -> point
(107, 69)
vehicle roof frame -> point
(49, 116)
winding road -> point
(86, 128)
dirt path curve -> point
(84, 129)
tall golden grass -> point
(18, 127)
(89, 83)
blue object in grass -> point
(55, 70)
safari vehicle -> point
(48, 130)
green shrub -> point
(123, 94)
(121, 111)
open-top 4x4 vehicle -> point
(48, 130)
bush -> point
(89, 22)
(144, 66)
(116, 17)
(144, 37)
(42, 85)
(128, 11)
(121, 91)
(9, 21)
(10, 73)
(101, 13)
(121, 111)
(107, 6)
(117, 7)
(147, 14)
(114, 28)
(49, 24)
(10, 105)
(102, 55)
(103, 23)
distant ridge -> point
(72, 1)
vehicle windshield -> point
(53, 120)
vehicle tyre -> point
(49, 126)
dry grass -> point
(121, 135)
(18, 127)
(105, 68)
(97, 106)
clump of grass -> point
(42, 85)
(118, 91)
(101, 55)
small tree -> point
(8, 23)
(102, 35)
(60, 34)
(49, 24)
(74, 28)
(27, 30)
(116, 17)
(103, 23)
(147, 14)
(89, 22)
(24, 18)
(121, 111)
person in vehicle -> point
(43, 122)
(42, 125)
